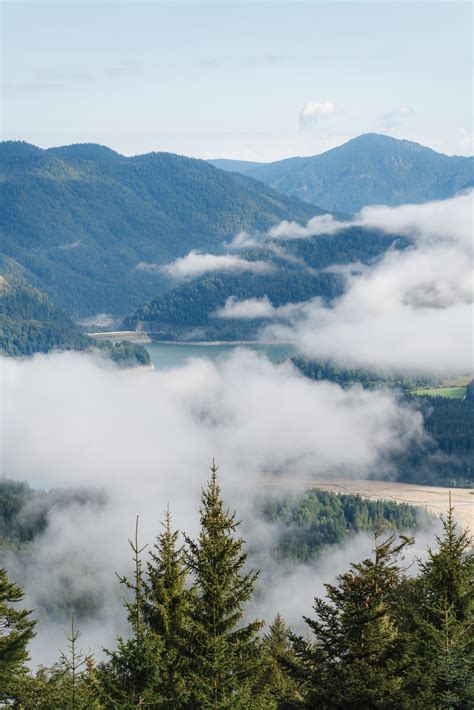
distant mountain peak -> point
(372, 168)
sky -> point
(249, 80)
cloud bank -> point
(147, 437)
(410, 310)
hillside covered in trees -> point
(298, 274)
(30, 323)
(380, 638)
(78, 220)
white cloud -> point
(196, 263)
(254, 308)
(437, 221)
(321, 224)
(410, 310)
(147, 438)
(313, 111)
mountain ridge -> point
(77, 221)
(369, 169)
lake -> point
(165, 356)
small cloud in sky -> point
(313, 111)
(196, 263)
(394, 119)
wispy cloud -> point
(196, 263)
(262, 308)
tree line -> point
(383, 637)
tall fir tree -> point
(358, 656)
(440, 614)
(17, 628)
(226, 661)
(280, 660)
(166, 610)
(130, 677)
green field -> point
(448, 392)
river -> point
(165, 356)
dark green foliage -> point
(225, 656)
(357, 658)
(167, 604)
(123, 353)
(30, 323)
(16, 630)
(321, 518)
(346, 377)
(77, 220)
(280, 658)
(438, 615)
(448, 457)
(131, 675)
(370, 169)
(51, 689)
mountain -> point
(371, 169)
(78, 221)
(299, 273)
(30, 323)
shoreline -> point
(133, 336)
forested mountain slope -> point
(30, 323)
(77, 221)
(367, 170)
(188, 311)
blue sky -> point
(232, 79)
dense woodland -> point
(30, 323)
(381, 638)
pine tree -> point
(358, 657)
(280, 660)
(440, 613)
(16, 630)
(166, 609)
(129, 678)
(225, 655)
(73, 662)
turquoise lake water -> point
(165, 356)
